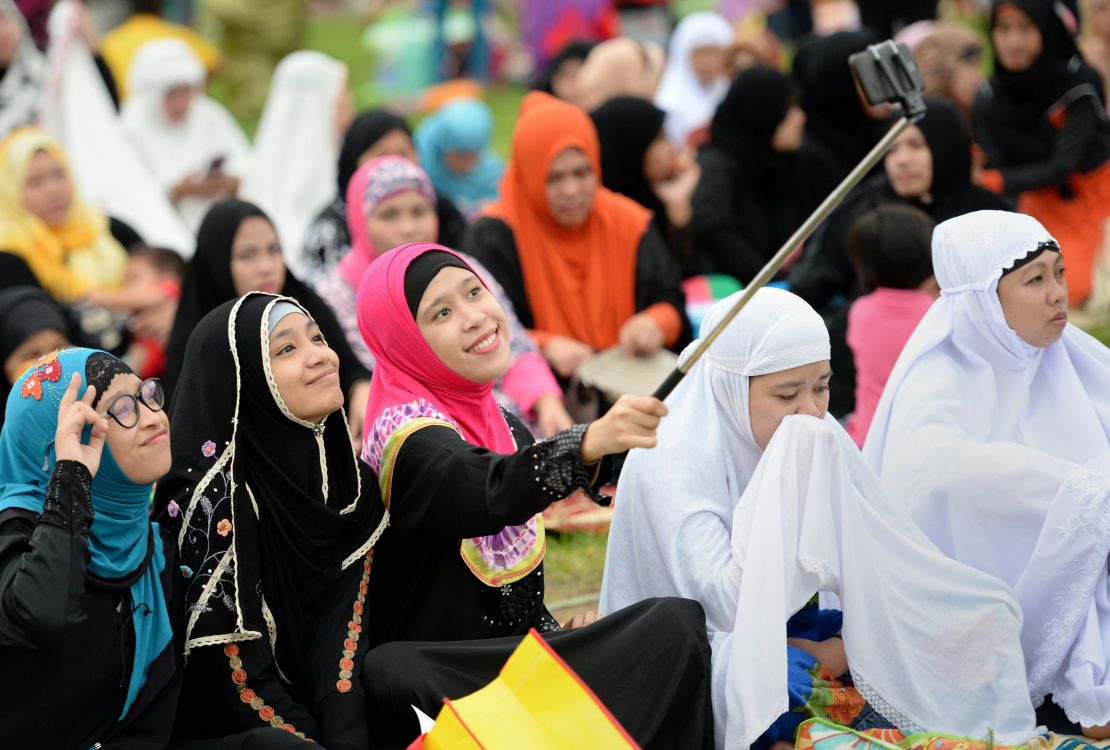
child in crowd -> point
(890, 248)
(150, 292)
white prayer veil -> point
(688, 103)
(291, 175)
(173, 151)
(1000, 452)
(753, 535)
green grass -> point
(573, 566)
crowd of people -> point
(285, 416)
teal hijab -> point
(460, 125)
(121, 532)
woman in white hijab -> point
(993, 430)
(755, 499)
(694, 81)
(194, 148)
(291, 175)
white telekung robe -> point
(291, 173)
(173, 151)
(688, 103)
(1000, 452)
(752, 535)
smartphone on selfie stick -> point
(886, 74)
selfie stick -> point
(906, 94)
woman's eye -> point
(822, 389)
(275, 249)
(284, 350)
(475, 292)
(1035, 280)
(319, 338)
(788, 396)
(442, 313)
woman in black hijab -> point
(1042, 123)
(558, 77)
(31, 324)
(836, 120)
(638, 161)
(377, 132)
(276, 521)
(759, 179)
(929, 168)
(211, 279)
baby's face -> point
(140, 272)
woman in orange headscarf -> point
(63, 241)
(581, 264)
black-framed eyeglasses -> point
(125, 408)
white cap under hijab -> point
(753, 534)
(1000, 452)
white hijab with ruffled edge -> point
(753, 534)
(1000, 452)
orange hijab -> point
(580, 282)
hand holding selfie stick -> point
(887, 75)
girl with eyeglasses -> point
(88, 585)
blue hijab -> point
(460, 125)
(121, 532)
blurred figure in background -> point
(949, 57)
(694, 81)
(618, 67)
(558, 76)
(453, 146)
(190, 143)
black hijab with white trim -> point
(270, 508)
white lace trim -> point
(271, 628)
(359, 553)
(1072, 600)
(896, 718)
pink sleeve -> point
(528, 378)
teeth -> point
(484, 342)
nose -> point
(473, 317)
(149, 419)
(316, 356)
(1057, 292)
(807, 404)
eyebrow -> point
(800, 383)
(438, 300)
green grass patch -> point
(573, 566)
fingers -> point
(71, 393)
(90, 395)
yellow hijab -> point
(68, 260)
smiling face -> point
(909, 164)
(1017, 40)
(306, 370)
(405, 217)
(1035, 299)
(47, 189)
(799, 390)
(571, 188)
(256, 262)
(143, 451)
(464, 325)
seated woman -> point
(277, 523)
(929, 168)
(759, 181)
(465, 483)
(291, 174)
(557, 236)
(377, 132)
(454, 148)
(1042, 123)
(80, 563)
(621, 66)
(695, 78)
(32, 325)
(639, 162)
(755, 499)
(238, 251)
(390, 202)
(189, 142)
(994, 431)
(88, 592)
(45, 228)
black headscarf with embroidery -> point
(232, 432)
